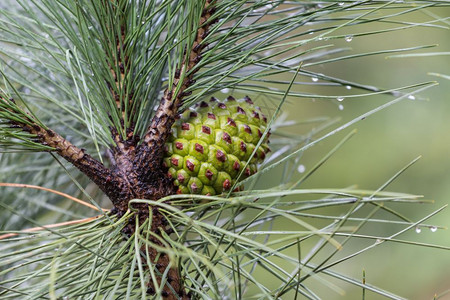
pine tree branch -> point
(120, 66)
(125, 141)
(150, 152)
(114, 186)
(173, 289)
(148, 161)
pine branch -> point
(112, 185)
(150, 152)
(120, 65)
(125, 141)
(148, 162)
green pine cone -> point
(212, 142)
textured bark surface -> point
(157, 133)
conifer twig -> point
(124, 151)
(149, 154)
(151, 150)
(29, 186)
(55, 225)
(110, 183)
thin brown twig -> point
(29, 186)
(7, 235)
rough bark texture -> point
(157, 133)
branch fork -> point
(136, 170)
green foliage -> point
(55, 61)
(219, 251)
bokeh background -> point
(386, 142)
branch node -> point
(197, 59)
(50, 133)
(177, 73)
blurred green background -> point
(386, 142)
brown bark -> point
(161, 262)
(152, 148)
(111, 183)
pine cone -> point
(212, 142)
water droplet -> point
(65, 298)
(68, 265)
(341, 107)
(225, 90)
(312, 32)
(411, 97)
(433, 228)
(340, 99)
(301, 168)
(25, 59)
(348, 38)
(320, 38)
(418, 229)
(379, 241)
(315, 79)
(348, 87)
(341, 3)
